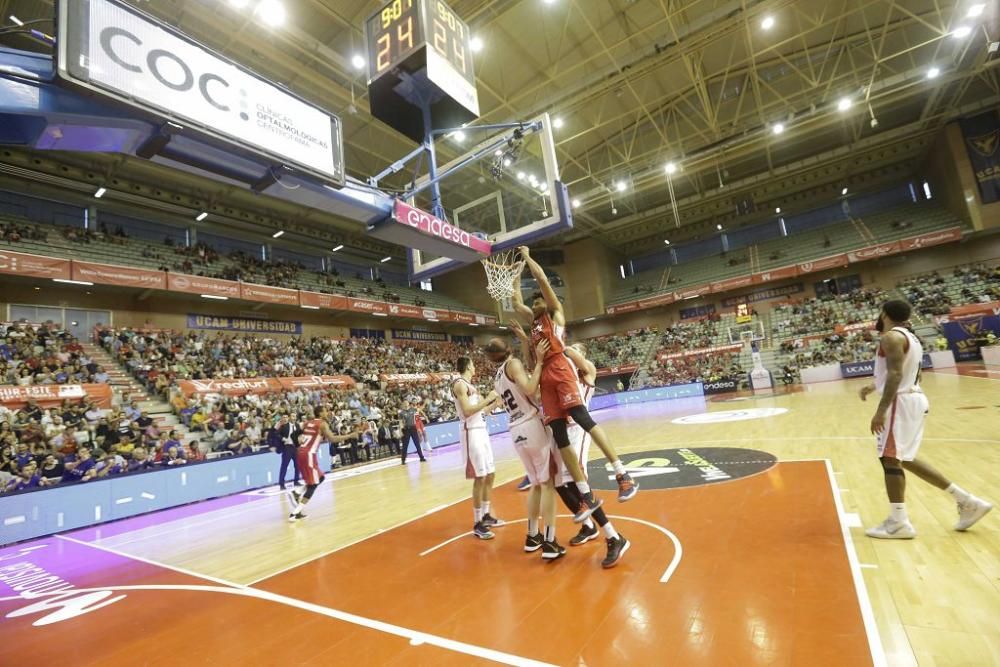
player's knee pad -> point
(560, 432)
(581, 415)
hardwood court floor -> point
(764, 577)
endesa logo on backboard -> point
(432, 226)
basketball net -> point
(503, 270)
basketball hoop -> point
(502, 271)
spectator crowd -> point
(35, 354)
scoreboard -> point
(420, 53)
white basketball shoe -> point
(891, 529)
(971, 511)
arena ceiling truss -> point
(746, 112)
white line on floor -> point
(229, 588)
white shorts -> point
(579, 444)
(904, 428)
(477, 453)
(534, 445)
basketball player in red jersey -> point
(560, 389)
(314, 432)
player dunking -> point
(531, 439)
(477, 452)
(580, 446)
(898, 424)
(314, 433)
(560, 390)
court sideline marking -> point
(674, 562)
(231, 588)
(867, 611)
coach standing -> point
(408, 416)
(285, 434)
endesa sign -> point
(107, 46)
(429, 225)
(721, 386)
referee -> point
(408, 416)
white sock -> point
(958, 493)
(478, 513)
(550, 533)
(588, 523)
(610, 532)
(486, 507)
(583, 487)
(298, 508)
(897, 512)
(532, 527)
(619, 467)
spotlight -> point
(557, 122)
(384, 260)
(767, 23)
(340, 247)
(458, 136)
(933, 72)
(357, 62)
(961, 31)
(476, 44)
(777, 209)
(576, 203)
(520, 176)
(100, 193)
(201, 216)
(975, 10)
(507, 162)
(844, 104)
(719, 227)
(666, 241)
(278, 233)
(271, 12)
(620, 186)
(778, 128)
(670, 168)
(844, 191)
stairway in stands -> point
(126, 389)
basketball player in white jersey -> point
(477, 453)
(532, 441)
(315, 432)
(899, 425)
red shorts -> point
(308, 463)
(560, 388)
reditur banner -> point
(33, 266)
(617, 370)
(732, 283)
(243, 386)
(52, 395)
(705, 350)
(126, 276)
(320, 300)
(659, 300)
(824, 263)
(268, 294)
(179, 282)
(873, 252)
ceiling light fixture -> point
(670, 168)
(974, 10)
(557, 122)
(201, 216)
(777, 209)
(778, 128)
(576, 203)
(933, 72)
(719, 227)
(277, 233)
(357, 61)
(666, 241)
(458, 136)
(271, 12)
(589, 319)
(214, 297)
(961, 31)
(310, 307)
(100, 192)
(767, 23)
(72, 282)
(476, 44)
(340, 247)
(844, 103)
(620, 186)
(16, 21)
(384, 260)
(380, 315)
(844, 191)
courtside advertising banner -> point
(242, 324)
(720, 386)
(967, 334)
(856, 369)
(121, 52)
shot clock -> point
(419, 55)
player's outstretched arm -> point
(528, 384)
(517, 300)
(538, 273)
